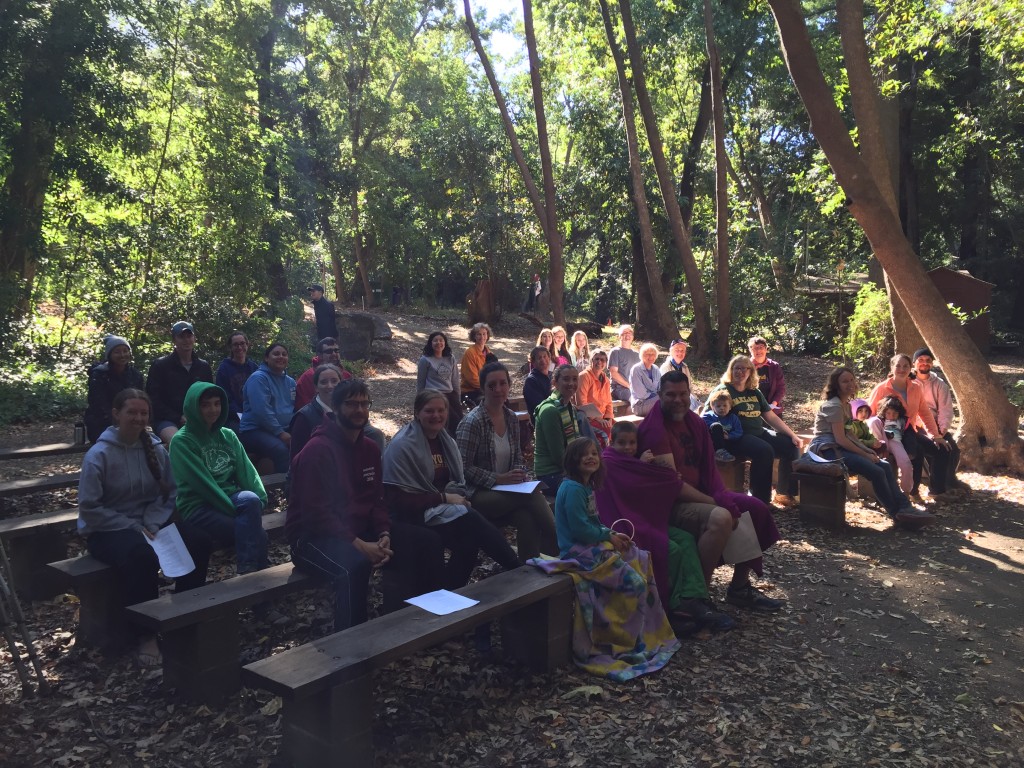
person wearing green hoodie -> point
(219, 490)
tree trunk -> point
(556, 272)
(265, 89)
(909, 210)
(971, 170)
(517, 151)
(357, 247)
(721, 188)
(700, 340)
(661, 325)
(691, 161)
(988, 429)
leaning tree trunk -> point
(532, 191)
(721, 188)
(556, 270)
(700, 341)
(658, 321)
(988, 430)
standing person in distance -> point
(106, 379)
(323, 310)
(170, 377)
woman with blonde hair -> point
(761, 444)
(558, 342)
(579, 351)
(546, 339)
(473, 359)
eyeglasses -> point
(357, 404)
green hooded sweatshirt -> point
(210, 464)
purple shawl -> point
(654, 436)
(643, 494)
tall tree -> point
(988, 431)
(658, 321)
(701, 339)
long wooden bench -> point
(327, 685)
(39, 451)
(28, 485)
(40, 540)
(200, 629)
(100, 621)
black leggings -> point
(465, 536)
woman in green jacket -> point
(219, 490)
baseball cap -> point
(316, 288)
(180, 327)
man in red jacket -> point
(326, 352)
(338, 525)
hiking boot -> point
(705, 614)
(751, 598)
(723, 455)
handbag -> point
(813, 464)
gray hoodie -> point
(116, 490)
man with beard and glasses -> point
(338, 525)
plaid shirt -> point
(475, 437)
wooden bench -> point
(327, 685)
(41, 540)
(822, 500)
(200, 629)
(29, 485)
(95, 583)
(39, 451)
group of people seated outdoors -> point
(457, 472)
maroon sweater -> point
(336, 488)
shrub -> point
(869, 340)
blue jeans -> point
(264, 445)
(882, 477)
(244, 531)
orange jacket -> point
(918, 412)
(592, 391)
(472, 362)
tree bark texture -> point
(721, 188)
(661, 325)
(700, 340)
(988, 429)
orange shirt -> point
(592, 391)
(472, 362)
(918, 412)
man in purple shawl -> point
(678, 438)
(637, 490)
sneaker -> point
(752, 598)
(723, 455)
(705, 615)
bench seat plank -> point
(324, 663)
(35, 451)
(38, 484)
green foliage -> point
(869, 342)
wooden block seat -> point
(38, 451)
(100, 619)
(327, 685)
(41, 541)
(822, 499)
(200, 628)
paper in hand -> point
(172, 553)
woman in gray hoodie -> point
(126, 493)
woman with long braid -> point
(126, 493)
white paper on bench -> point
(442, 602)
(528, 487)
(172, 553)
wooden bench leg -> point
(101, 621)
(334, 727)
(540, 635)
(733, 474)
(822, 500)
(28, 556)
(201, 660)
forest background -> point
(168, 159)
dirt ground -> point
(895, 649)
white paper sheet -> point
(742, 544)
(174, 558)
(816, 457)
(528, 487)
(442, 602)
